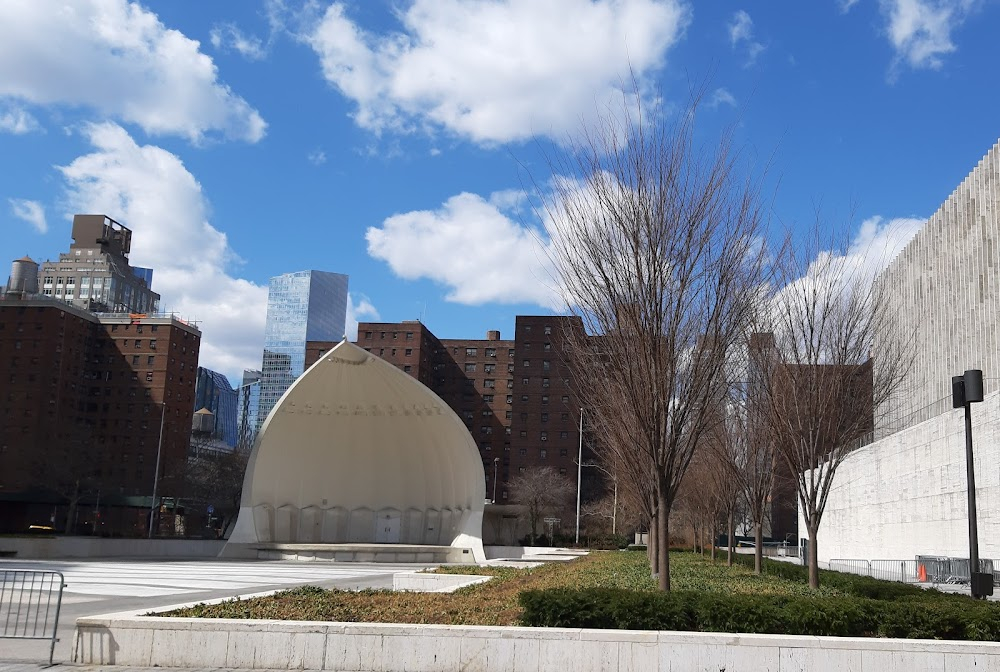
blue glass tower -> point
(213, 391)
(302, 306)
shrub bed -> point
(906, 617)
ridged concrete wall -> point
(944, 287)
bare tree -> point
(540, 490)
(822, 380)
(658, 248)
(749, 449)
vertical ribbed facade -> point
(945, 289)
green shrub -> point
(928, 618)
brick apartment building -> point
(515, 396)
(83, 399)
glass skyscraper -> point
(302, 306)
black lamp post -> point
(966, 390)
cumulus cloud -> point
(497, 70)
(920, 31)
(741, 36)
(489, 256)
(31, 212)
(359, 307)
(117, 58)
(721, 97)
(317, 157)
(149, 190)
(227, 37)
(18, 121)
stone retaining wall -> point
(206, 643)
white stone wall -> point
(944, 289)
(376, 647)
(905, 495)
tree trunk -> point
(712, 541)
(729, 538)
(652, 549)
(663, 542)
(758, 547)
(813, 559)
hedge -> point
(909, 617)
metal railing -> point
(30, 601)
(903, 571)
(940, 569)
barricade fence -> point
(925, 569)
(30, 602)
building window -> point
(407, 368)
(506, 430)
(487, 413)
(522, 451)
(523, 434)
(150, 359)
(489, 368)
(545, 382)
(135, 360)
(489, 383)
(545, 365)
(510, 398)
(510, 383)
(564, 416)
(543, 453)
(508, 415)
(510, 352)
(548, 330)
(152, 344)
(547, 347)
(504, 496)
(409, 352)
(524, 381)
(488, 398)
(470, 367)
(486, 429)
(544, 436)
(563, 452)
(491, 352)
(395, 334)
(562, 470)
(545, 417)
(545, 398)
(468, 415)
(524, 397)
(527, 362)
(565, 399)
(409, 335)
(563, 435)
(470, 352)
(394, 352)
(368, 335)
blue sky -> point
(390, 141)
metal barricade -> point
(941, 569)
(30, 601)
(904, 571)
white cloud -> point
(845, 5)
(362, 310)
(721, 97)
(920, 30)
(31, 212)
(227, 37)
(119, 59)
(473, 248)
(495, 70)
(741, 36)
(18, 121)
(149, 190)
(317, 157)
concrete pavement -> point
(101, 586)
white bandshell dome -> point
(357, 451)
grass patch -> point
(614, 590)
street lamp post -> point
(156, 472)
(579, 474)
(966, 390)
(496, 464)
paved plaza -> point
(105, 586)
